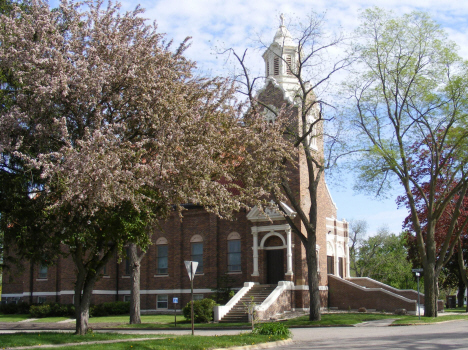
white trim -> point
(268, 235)
(161, 241)
(221, 310)
(109, 292)
(282, 286)
(270, 228)
(306, 287)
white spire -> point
(282, 36)
(280, 61)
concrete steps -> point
(238, 313)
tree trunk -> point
(461, 293)
(430, 298)
(314, 292)
(463, 272)
(135, 270)
(82, 303)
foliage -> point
(223, 290)
(202, 310)
(357, 232)
(409, 109)
(10, 308)
(384, 257)
(111, 308)
(278, 329)
(52, 310)
(108, 129)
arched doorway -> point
(274, 250)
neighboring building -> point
(251, 248)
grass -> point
(179, 342)
(337, 319)
(156, 319)
(13, 318)
(30, 339)
(458, 309)
(409, 320)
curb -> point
(272, 344)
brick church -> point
(250, 250)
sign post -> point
(175, 301)
(418, 273)
(191, 267)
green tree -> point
(357, 233)
(384, 257)
(409, 91)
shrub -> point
(202, 310)
(272, 329)
(10, 308)
(109, 309)
(40, 311)
(52, 310)
(362, 309)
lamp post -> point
(191, 267)
(418, 273)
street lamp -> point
(191, 267)
(418, 273)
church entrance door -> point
(275, 266)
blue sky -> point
(214, 25)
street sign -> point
(175, 300)
(417, 270)
(191, 267)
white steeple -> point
(280, 59)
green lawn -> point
(13, 318)
(458, 309)
(156, 319)
(30, 339)
(171, 342)
(441, 318)
(338, 319)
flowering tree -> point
(120, 130)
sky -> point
(215, 25)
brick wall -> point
(345, 295)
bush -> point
(40, 311)
(202, 310)
(272, 329)
(52, 310)
(10, 308)
(109, 309)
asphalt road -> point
(447, 336)
(369, 336)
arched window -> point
(162, 256)
(234, 252)
(196, 246)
